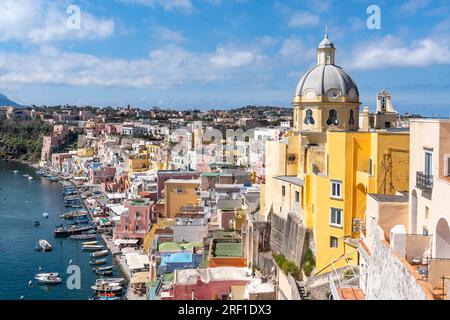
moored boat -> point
(92, 247)
(45, 215)
(37, 223)
(98, 254)
(97, 262)
(83, 236)
(104, 273)
(102, 268)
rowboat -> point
(37, 223)
(97, 262)
(101, 253)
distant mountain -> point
(5, 102)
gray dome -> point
(325, 78)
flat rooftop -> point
(189, 276)
(226, 249)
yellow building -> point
(85, 153)
(180, 193)
(139, 162)
(318, 176)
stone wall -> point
(388, 277)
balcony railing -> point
(424, 182)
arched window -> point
(333, 118)
(351, 121)
(309, 119)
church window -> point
(352, 118)
(309, 119)
(333, 118)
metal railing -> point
(424, 182)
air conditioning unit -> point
(356, 229)
(357, 222)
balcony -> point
(424, 182)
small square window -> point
(336, 189)
(179, 190)
(336, 217)
(334, 242)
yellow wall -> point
(349, 158)
(174, 200)
(139, 162)
(85, 153)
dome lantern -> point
(326, 51)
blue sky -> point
(220, 53)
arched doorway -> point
(442, 240)
(413, 212)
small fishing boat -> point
(98, 254)
(37, 223)
(73, 230)
(92, 247)
(99, 269)
(97, 262)
(90, 243)
(30, 178)
(117, 281)
(45, 245)
(104, 273)
(48, 279)
(16, 171)
(106, 288)
(45, 215)
(83, 236)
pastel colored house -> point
(207, 284)
(180, 193)
(136, 222)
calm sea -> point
(21, 203)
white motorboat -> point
(45, 215)
(45, 245)
(51, 278)
(92, 247)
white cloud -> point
(167, 67)
(300, 19)
(39, 21)
(392, 52)
(169, 35)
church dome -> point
(327, 80)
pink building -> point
(102, 175)
(59, 158)
(207, 284)
(135, 223)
